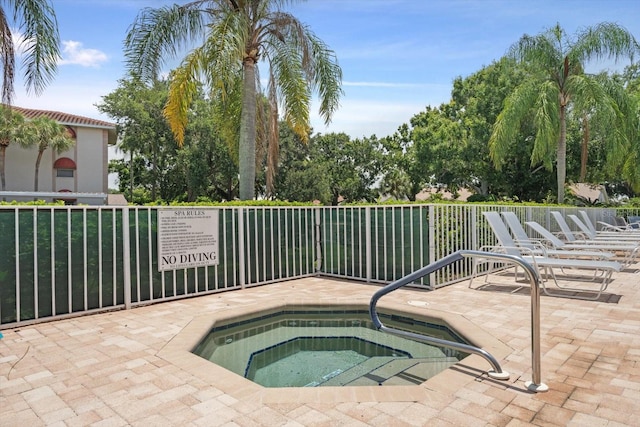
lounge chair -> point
(608, 236)
(522, 239)
(634, 221)
(627, 251)
(587, 221)
(619, 226)
(574, 237)
(542, 262)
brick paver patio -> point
(114, 369)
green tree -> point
(352, 167)
(302, 173)
(231, 37)
(477, 101)
(43, 133)
(137, 110)
(402, 174)
(157, 169)
(556, 81)
(37, 20)
(629, 163)
(440, 140)
(205, 161)
(609, 130)
(11, 124)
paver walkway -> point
(109, 370)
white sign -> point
(187, 237)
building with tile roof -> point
(78, 175)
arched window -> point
(64, 167)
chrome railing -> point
(536, 383)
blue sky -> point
(397, 56)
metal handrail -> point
(536, 384)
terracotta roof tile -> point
(63, 118)
(70, 120)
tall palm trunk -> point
(562, 153)
(247, 147)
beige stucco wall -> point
(89, 153)
(91, 174)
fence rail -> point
(67, 260)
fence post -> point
(16, 223)
(367, 239)
(318, 234)
(432, 243)
(241, 260)
(474, 228)
(126, 258)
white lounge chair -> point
(620, 226)
(522, 239)
(628, 252)
(542, 262)
(608, 236)
(609, 229)
(572, 237)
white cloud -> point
(20, 44)
(74, 53)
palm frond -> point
(604, 41)
(546, 122)
(40, 29)
(292, 88)
(158, 35)
(319, 63)
(541, 52)
(506, 128)
(182, 89)
(327, 78)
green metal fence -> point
(67, 260)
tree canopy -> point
(231, 38)
(556, 85)
(499, 134)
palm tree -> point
(44, 133)
(41, 42)
(231, 37)
(11, 124)
(396, 183)
(557, 82)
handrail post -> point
(535, 384)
